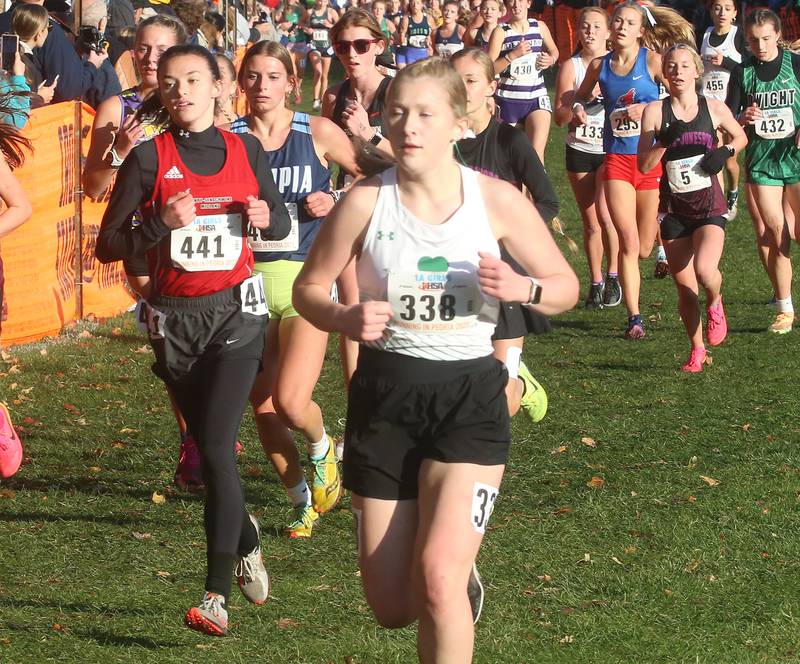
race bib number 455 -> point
(290, 243)
(211, 242)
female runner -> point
(356, 105)
(415, 32)
(449, 38)
(226, 105)
(387, 26)
(299, 148)
(629, 77)
(724, 46)
(317, 23)
(584, 157)
(693, 231)
(521, 50)
(289, 22)
(427, 423)
(199, 190)
(121, 123)
(482, 26)
(764, 92)
(502, 151)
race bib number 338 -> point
(434, 302)
(211, 242)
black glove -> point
(713, 162)
(672, 132)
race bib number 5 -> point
(290, 243)
(622, 126)
(775, 123)
(210, 243)
(434, 302)
(685, 175)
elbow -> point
(91, 186)
(25, 211)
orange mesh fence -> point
(41, 263)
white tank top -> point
(714, 83)
(588, 137)
(428, 274)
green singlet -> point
(772, 157)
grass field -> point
(651, 517)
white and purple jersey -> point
(522, 80)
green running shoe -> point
(534, 398)
(304, 519)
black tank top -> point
(375, 110)
(693, 194)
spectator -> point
(106, 84)
(193, 14)
(58, 57)
(15, 101)
(31, 23)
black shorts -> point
(402, 410)
(673, 227)
(321, 51)
(582, 162)
(510, 322)
(186, 330)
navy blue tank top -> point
(297, 172)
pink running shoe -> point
(188, 474)
(716, 324)
(10, 445)
(697, 358)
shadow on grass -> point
(77, 607)
(60, 516)
(109, 639)
(86, 485)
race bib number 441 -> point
(434, 302)
(211, 242)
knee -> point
(591, 228)
(291, 408)
(705, 275)
(392, 617)
(438, 587)
(644, 252)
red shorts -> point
(623, 167)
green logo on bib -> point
(437, 264)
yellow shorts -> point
(278, 277)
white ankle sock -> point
(785, 305)
(299, 495)
(319, 449)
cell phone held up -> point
(9, 46)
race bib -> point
(150, 320)
(622, 126)
(775, 123)
(685, 175)
(319, 35)
(524, 69)
(433, 301)
(251, 293)
(447, 50)
(591, 133)
(483, 499)
(211, 242)
(715, 84)
(418, 41)
(290, 243)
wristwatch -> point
(376, 137)
(535, 294)
(116, 160)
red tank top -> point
(210, 254)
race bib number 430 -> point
(211, 242)
(524, 69)
(434, 302)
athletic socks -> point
(319, 449)
(513, 355)
(612, 275)
(299, 495)
(661, 255)
(635, 320)
(785, 305)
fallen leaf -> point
(562, 510)
(692, 463)
(70, 407)
(559, 450)
(589, 442)
(567, 639)
(545, 578)
(163, 574)
(157, 498)
(692, 499)
(43, 351)
(117, 444)
(691, 567)
(142, 536)
(596, 482)
(285, 623)
(616, 560)
(7, 493)
(630, 549)
(709, 480)
(127, 430)
(746, 427)
(116, 332)
(765, 554)
(587, 558)
(58, 627)
(94, 469)
(141, 349)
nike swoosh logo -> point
(786, 80)
(636, 78)
(231, 341)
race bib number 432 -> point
(211, 242)
(775, 123)
(434, 302)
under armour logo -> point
(183, 133)
(386, 236)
